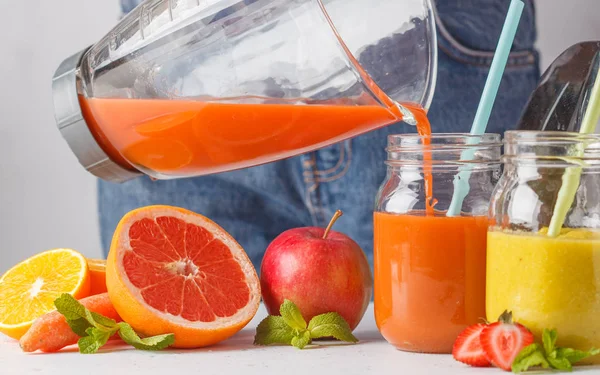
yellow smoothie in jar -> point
(547, 283)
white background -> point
(46, 199)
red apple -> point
(320, 271)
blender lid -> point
(75, 131)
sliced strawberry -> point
(502, 341)
(467, 347)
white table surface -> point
(373, 355)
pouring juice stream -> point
(419, 116)
(424, 130)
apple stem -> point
(336, 216)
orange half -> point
(28, 290)
(97, 276)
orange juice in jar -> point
(430, 267)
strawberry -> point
(503, 340)
(467, 347)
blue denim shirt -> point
(257, 204)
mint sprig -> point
(529, 356)
(95, 330)
(273, 330)
(291, 329)
(292, 316)
(549, 355)
(149, 343)
(330, 325)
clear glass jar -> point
(429, 267)
(547, 278)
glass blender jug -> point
(183, 88)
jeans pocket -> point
(456, 50)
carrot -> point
(50, 332)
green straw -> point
(492, 84)
(572, 175)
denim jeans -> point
(257, 204)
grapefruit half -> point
(170, 270)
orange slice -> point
(97, 276)
(28, 290)
(170, 270)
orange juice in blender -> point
(185, 137)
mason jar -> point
(429, 262)
(543, 246)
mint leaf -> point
(330, 325)
(273, 330)
(529, 356)
(574, 356)
(549, 340)
(73, 310)
(95, 339)
(100, 321)
(560, 363)
(100, 335)
(88, 345)
(79, 326)
(292, 315)
(95, 329)
(69, 307)
(291, 329)
(301, 340)
(556, 358)
(149, 343)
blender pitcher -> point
(183, 88)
